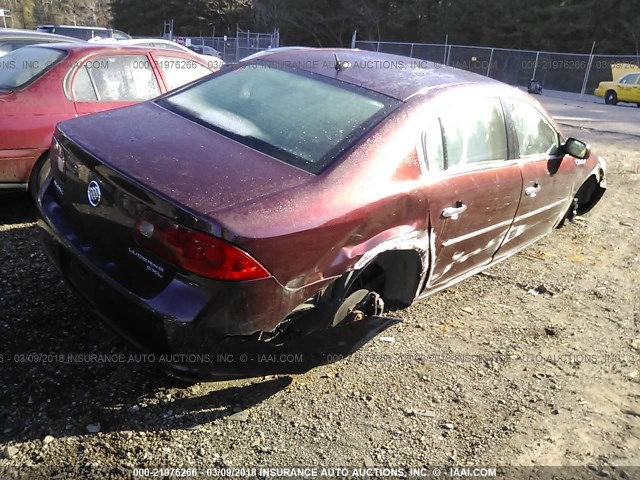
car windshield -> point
(300, 118)
(26, 64)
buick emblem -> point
(94, 194)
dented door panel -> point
(548, 187)
(470, 240)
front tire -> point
(611, 97)
(38, 175)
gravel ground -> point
(486, 373)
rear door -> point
(473, 189)
(548, 178)
(108, 81)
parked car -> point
(12, 39)
(534, 87)
(205, 50)
(43, 85)
(625, 89)
(270, 51)
(212, 59)
(257, 221)
(84, 32)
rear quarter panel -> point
(319, 230)
(28, 119)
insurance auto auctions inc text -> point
(359, 472)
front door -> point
(628, 89)
(548, 178)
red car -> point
(44, 84)
(257, 221)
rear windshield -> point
(24, 65)
(303, 119)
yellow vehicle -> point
(625, 86)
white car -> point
(214, 62)
(269, 51)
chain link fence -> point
(577, 73)
(234, 49)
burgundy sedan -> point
(45, 84)
(259, 220)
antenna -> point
(340, 65)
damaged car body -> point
(274, 209)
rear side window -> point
(119, 78)
(536, 136)
(179, 71)
(470, 134)
(83, 90)
(25, 65)
(119, 35)
(433, 145)
(167, 45)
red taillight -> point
(194, 251)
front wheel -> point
(38, 175)
(611, 98)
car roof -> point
(111, 46)
(132, 41)
(137, 41)
(78, 27)
(32, 34)
(392, 75)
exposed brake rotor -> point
(360, 304)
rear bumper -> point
(13, 187)
(199, 334)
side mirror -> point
(577, 149)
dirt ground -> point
(487, 373)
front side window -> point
(121, 78)
(630, 79)
(536, 135)
(474, 133)
(300, 118)
(179, 71)
(24, 65)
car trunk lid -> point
(196, 168)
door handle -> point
(532, 191)
(454, 212)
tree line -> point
(560, 25)
(31, 13)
